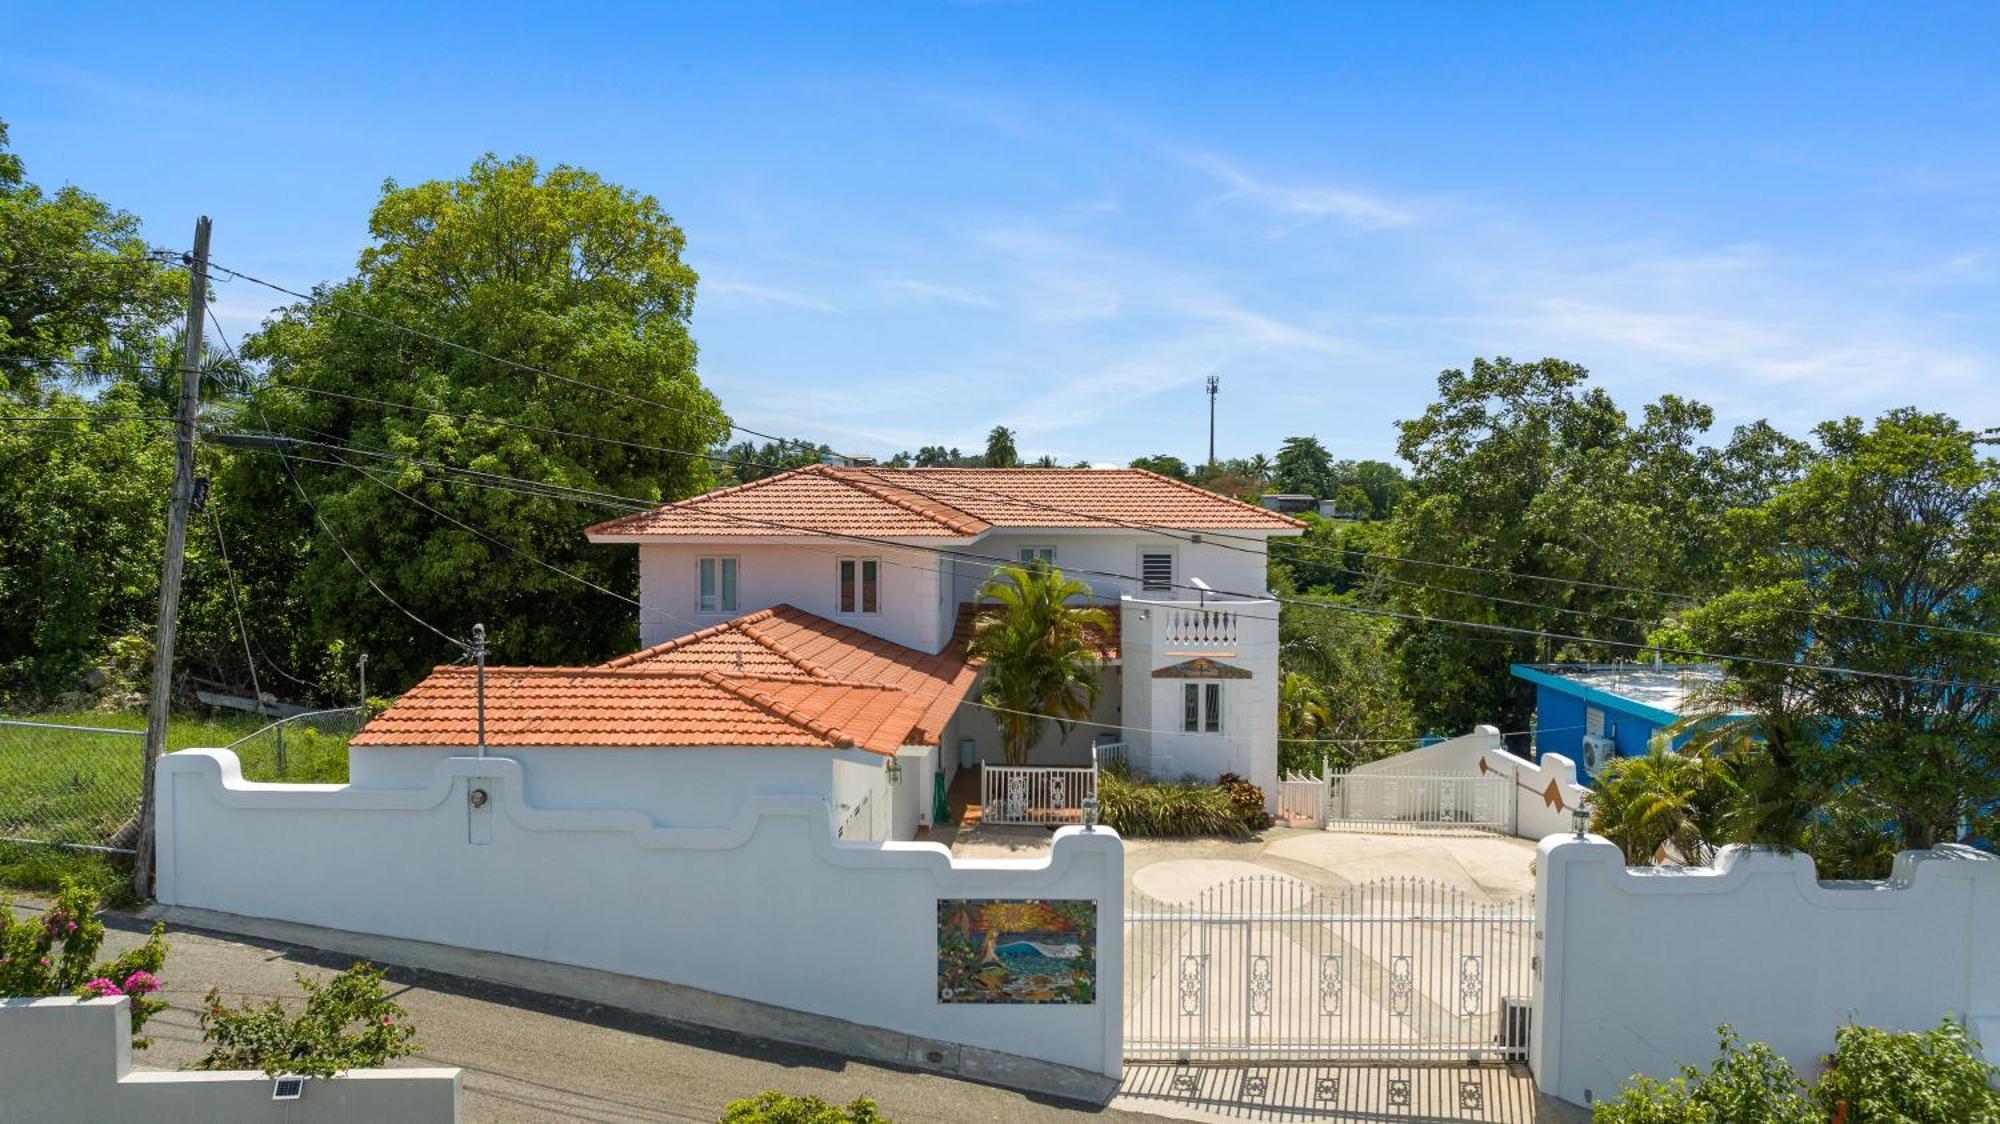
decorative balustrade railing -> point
(1200, 627)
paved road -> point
(528, 1056)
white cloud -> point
(763, 294)
(926, 290)
(1302, 204)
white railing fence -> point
(1033, 794)
(1302, 799)
(1379, 801)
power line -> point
(324, 526)
(502, 360)
(236, 602)
(1261, 549)
(613, 500)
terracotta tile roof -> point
(968, 611)
(780, 677)
(792, 641)
(643, 707)
(949, 503)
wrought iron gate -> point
(1271, 968)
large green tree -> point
(1303, 467)
(555, 271)
(1536, 505)
(84, 312)
(1882, 558)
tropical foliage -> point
(56, 954)
(1137, 808)
(773, 1107)
(1874, 1076)
(347, 1022)
(1040, 656)
(1649, 805)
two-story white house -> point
(822, 613)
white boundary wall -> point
(63, 1058)
(1640, 965)
(1537, 811)
(769, 908)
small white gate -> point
(1033, 794)
(1270, 968)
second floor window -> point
(718, 585)
(1032, 556)
(858, 589)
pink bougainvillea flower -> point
(103, 987)
(385, 1020)
(141, 982)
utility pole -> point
(479, 681)
(178, 503)
(1214, 381)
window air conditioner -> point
(1598, 751)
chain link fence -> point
(310, 747)
(77, 785)
(69, 786)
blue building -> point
(1591, 712)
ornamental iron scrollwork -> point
(1471, 984)
(1400, 986)
(1017, 797)
(1193, 968)
(1332, 981)
(1260, 985)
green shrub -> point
(1933, 1077)
(1874, 1077)
(1247, 799)
(1746, 1083)
(1138, 809)
(772, 1107)
(56, 954)
(347, 1024)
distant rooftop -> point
(1667, 687)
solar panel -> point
(288, 1088)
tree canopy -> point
(556, 272)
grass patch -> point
(75, 787)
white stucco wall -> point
(769, 907)
(63, 1058)
(1248, 741)
(981, 724)
(675, 787)
(1537, 812)
(802, 574)
(1234, 564)
(1640, 965)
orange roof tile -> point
(645, 707)
(791, 641)
(949, 503)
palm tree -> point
(1303, 710)
(1041, 661)
(1000, 452)
(1645, 804)
(1259, 468)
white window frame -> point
(719, 605)
(1209, 699)
(1173, 565)
(862, 564)
(1030, 555)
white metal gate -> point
(1271, 968)
(1419, 801)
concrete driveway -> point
(1487, 868)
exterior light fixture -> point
(1580, 819)
(1090, 813)
(895, 770)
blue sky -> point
(914, 221)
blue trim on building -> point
(1561, 716)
